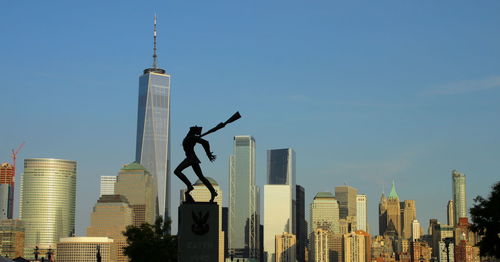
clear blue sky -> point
(364, 91)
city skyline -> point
(397, 127)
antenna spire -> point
(155, 57)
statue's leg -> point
(197, 171)
(178, 172)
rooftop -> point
(324, 195)
(133, 166)
(393, 193)
(112, 199)
(211, 180)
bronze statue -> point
(193, 137)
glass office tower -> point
(47, 206)
(243, 201)
(281, 167)
(279, 192)
(153, 129)
(459, 196)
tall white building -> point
(361, 213)
(415, 230)
(459, 195)
(325, 213)
(107, 185)
(277, 216)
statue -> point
(193, 137)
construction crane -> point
(14, 157)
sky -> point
(365, 92)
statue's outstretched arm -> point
(206, 146)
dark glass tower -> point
(301, 225)
(281, 167)
(153, 129)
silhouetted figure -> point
(49, 254)
(98, 255)
(36, 253)
(192, 138)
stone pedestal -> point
(198, 232)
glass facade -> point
(153, 132)
(281, 167)
(47, 206)
(243, 206)
(301, 223)
(459, 196)
(346, 195)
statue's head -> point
(195, 130)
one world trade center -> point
(153, 129)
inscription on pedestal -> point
(198, 232)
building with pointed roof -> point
(393, 193)
(394, 209)
(389, 212)
(153, 130)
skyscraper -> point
(459, 196)
(346, 195)
(279, 198)
(357, 246)
(153, 129)
(394, 210)
(450, 214)
(107, 185)
(6, 190)
(136, 184)
(281, 167)
(301, 224)
(318, 245)
(361, 213)
(408, 214)
(47, 206)
(415, 230)
(325, 213)
(243, 200)
(277, 217)
(382, 214)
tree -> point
(151, 242)
(486, 222)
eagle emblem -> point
(200, 226)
